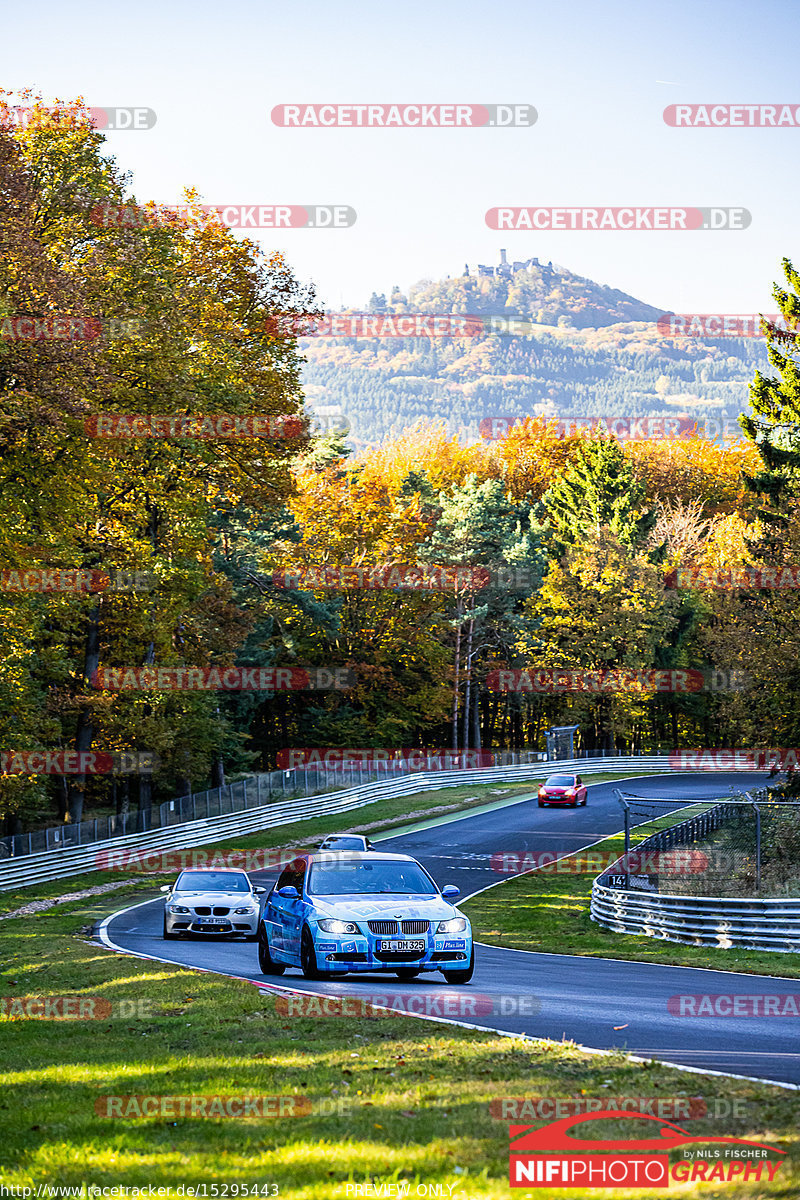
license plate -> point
(212, 921)
(403, 947)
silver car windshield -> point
(369, 878)
(212, 881)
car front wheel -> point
(308, 956)
(168, 937)
(462, 976)
(265, 960)
(541, 804)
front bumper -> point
(354, 953)
(234, 924)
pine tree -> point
(599, 492)
(775, 428)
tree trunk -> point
(468, 672)
(457, 680)
(84, 731)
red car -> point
(562, 789)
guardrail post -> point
(258, 791)
(758, 847)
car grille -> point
(399, 956)
(206, 912)
(203, 912)
(384, 927)
(415, 926)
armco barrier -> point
(61, 864)
(724, 922)
(717, 921)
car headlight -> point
(178, 908)
(542, 793)
(329, 925)
(246, 910)
(454, 925)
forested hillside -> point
(594, 351)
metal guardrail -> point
(61, 864)
(723, 922)
(717, 921)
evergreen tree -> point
(598, 492)
(775, 427)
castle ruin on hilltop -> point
(506, 269)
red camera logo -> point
(577, 1162)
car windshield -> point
(560, 781)
(344, 843)
(369, 878)
(212, 881)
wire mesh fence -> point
(747, 845)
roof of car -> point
(357, 855)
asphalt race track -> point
(599, 1003)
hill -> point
(592, 351)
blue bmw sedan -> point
(334, 913)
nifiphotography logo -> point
(549, 1157)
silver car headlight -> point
(178, 908)
(246, 910)
(329, 925)
(454, 925)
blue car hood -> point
(433, 908)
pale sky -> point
(598, 74)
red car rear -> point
(562, 789)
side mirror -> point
(289, 892)
(165, 888)
(258, 891)
(449, 890)
(369, 844)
